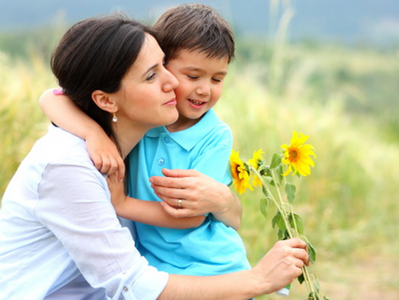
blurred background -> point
(328, 69)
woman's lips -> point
(171, 102)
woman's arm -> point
(279, 267)
(65, 114)
(147, 212)
(83, 219)
(200, 193)
(75, 208)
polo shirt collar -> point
(189, 137)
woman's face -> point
(146, 98)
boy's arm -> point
(147, 212)
(64, 113)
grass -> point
(349, 202)
(21, 120)
(344, 99)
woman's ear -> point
(103, 101)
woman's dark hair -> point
(194, 27)
(95, 54)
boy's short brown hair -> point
(194, 27)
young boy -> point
(198, 45)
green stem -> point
(279, 207)
(277, 187)
(308, 280)
(306, 275)
(283, 204)
(290, 207)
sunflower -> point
(297, 155)
(255, 162)
(239, 173)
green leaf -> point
(282, 235)
(275, 218)
(290, 190)
(264, 170)
(265, 192)
(268, 179)
(316, 285)
(298, 222)
(279, 221)
(312, 252)
(264, 202)
(286, 235)
(279, 172)
(314, 296)
(271, 182)
(276, 160)
(301, 278)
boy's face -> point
(200, 83)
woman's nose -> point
(171, 82)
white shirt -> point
(57, 223)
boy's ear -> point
(103, 101)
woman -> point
(59, 235)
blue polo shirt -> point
(212, 248)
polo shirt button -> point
(125, 289)
(166, 139)
(161, 161)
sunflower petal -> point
(297, 155)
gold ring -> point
(179, 203)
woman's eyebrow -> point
(150, 68)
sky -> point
(333, 20)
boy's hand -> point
(116, 188)
(105, 155)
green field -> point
(346, 100)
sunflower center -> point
(293, 155)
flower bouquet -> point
(296, 159)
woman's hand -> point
(282, 264)
(147, 212)
(188, 193)
(279, 267)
